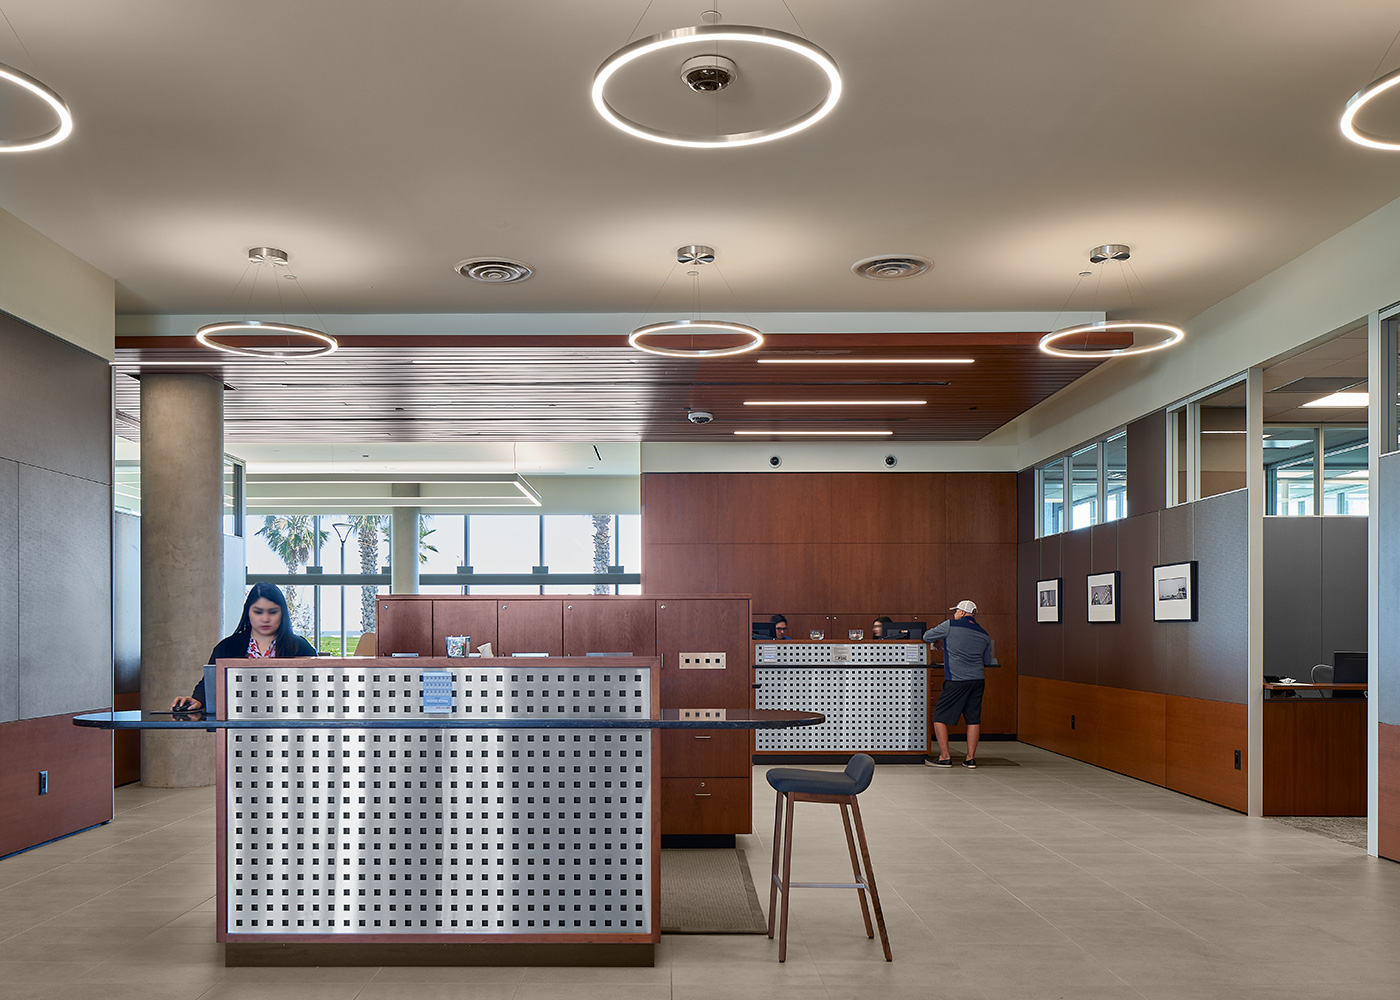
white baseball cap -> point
(966, 607)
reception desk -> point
(1314, 750)
(433, 810)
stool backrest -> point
(861, 769)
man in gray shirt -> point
(967, 649)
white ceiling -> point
(381, 143)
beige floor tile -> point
(425, 975)
(438, 991)
(593, 991)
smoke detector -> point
(493, 270)
(891, 267)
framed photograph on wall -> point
(1174, 592)
(1047, 600)
(1103, 597)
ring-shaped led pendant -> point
(50, 138)
(689, 327)
(1171, 335)
(716, 33)
(1358, 101)
(327, 343)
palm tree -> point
(367, 529)
(293, 538)
(602, 548)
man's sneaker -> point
(939, 762)
(967, 762)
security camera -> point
(775, 460)
(708, 74)
(891, 461)
(699, 416)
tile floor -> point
(1051, 879)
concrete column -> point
(182, 545)
(403, 577)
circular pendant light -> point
(55, 135)
(1358, 101)
(689, 327)
(321, 343)
(715, 79)
(1169, 335)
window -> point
(1084, 487)
(1345, 472)
(1088, 486)
(1297, 485)
(1207, 444)
(1052, 497)
(1115, 477)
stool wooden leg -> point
(855, 869)
(773, 876)
(869, 880)
(787, 878)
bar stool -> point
(795, 785)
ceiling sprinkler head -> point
(709, 73)
(695, 253)
(1109, 251)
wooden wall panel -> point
(530, 627)
(79, 762)
(1130, 733)
(876, 507)
(126, 743)
(1045, 711)
(787, 577)
(888, 576)
(773, 508)
(1388, 807)
(1314, 757)
(679, 507)
(685, 626)
(476, 618)
(1026, 506)
(1202, 737)
(981, 506)
(684, 568)
(606, 626)
(982, 573)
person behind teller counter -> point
(264, 630)
(877, 630)
(780, 626)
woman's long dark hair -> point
(285, 638)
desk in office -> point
(1314, 751)
(519, 829)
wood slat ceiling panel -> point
(566, 389)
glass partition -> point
(1052, 497)
(1084, 487)
(1115, 478)
(1345, 475)
(1290, 463)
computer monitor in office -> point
(904, 630)
(765, 630)
(1349, 667)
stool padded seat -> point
(854, 780)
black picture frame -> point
(1103, 596)
(1053, 591)
(1174, 596)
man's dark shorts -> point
(960, 698)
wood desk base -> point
(422, 953)
(1314, 757)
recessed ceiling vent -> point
(891, 268)
(494, 270)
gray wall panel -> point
(1388, 510)
(1147, 464)
(1343, 609)
(9, 591)
(65, 617)
(55, 404)
(1217, 646)
(1176, 535)
(1081, 641)
(1104, 539)
(126, 602)
(1293, 596)
(1141, 650)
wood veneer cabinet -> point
(706, 775)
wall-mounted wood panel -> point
(789, 576)
(1202, 737)
(773, 508)
(981, 506)
(1314, 757)
(79, 764)
(1388, 806)
(476, 618)
(679, 507)
(1026, 506)
(887, 576)
(1050, 714)
(530, 627)
(977, 572)
(684, 568)
(607, 626)
(407, 628)
(1129, 733)
(691, 626)
(878, 507)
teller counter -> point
(440, 810)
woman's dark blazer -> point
(235, 647)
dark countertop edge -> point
(104, 721)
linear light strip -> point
(814, 433)
(836, 402)
(866, 361)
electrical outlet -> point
(1237, 760)
(43, 782)
(1071, 722)
(702, 714)
(702, 661)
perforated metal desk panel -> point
(873, 694)
(448, 834)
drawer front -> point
(706, 805)
(697, 753)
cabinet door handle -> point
(704, 737)
(702, 795)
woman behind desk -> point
(264, 630)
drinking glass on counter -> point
(816, 635)
(856, 634)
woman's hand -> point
(186, 705)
